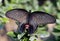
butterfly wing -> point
(41, 18)
(20, 15)
(17, 14)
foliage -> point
(32, 5)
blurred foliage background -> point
(50, 6)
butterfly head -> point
(27, 26)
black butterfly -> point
(31, 19)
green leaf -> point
(11, 34)
(58, 15)
(5, 20)
(58, 21)
(58, 27)
(20, 35)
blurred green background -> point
(50, 6)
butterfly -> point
(30, 20)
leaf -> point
(4, 20)
(58, 21)
(58, 15)
(11, 34)
(57, 27)
(20, 35)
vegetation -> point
(52, 7)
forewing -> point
(38, 18)
(17, 14)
